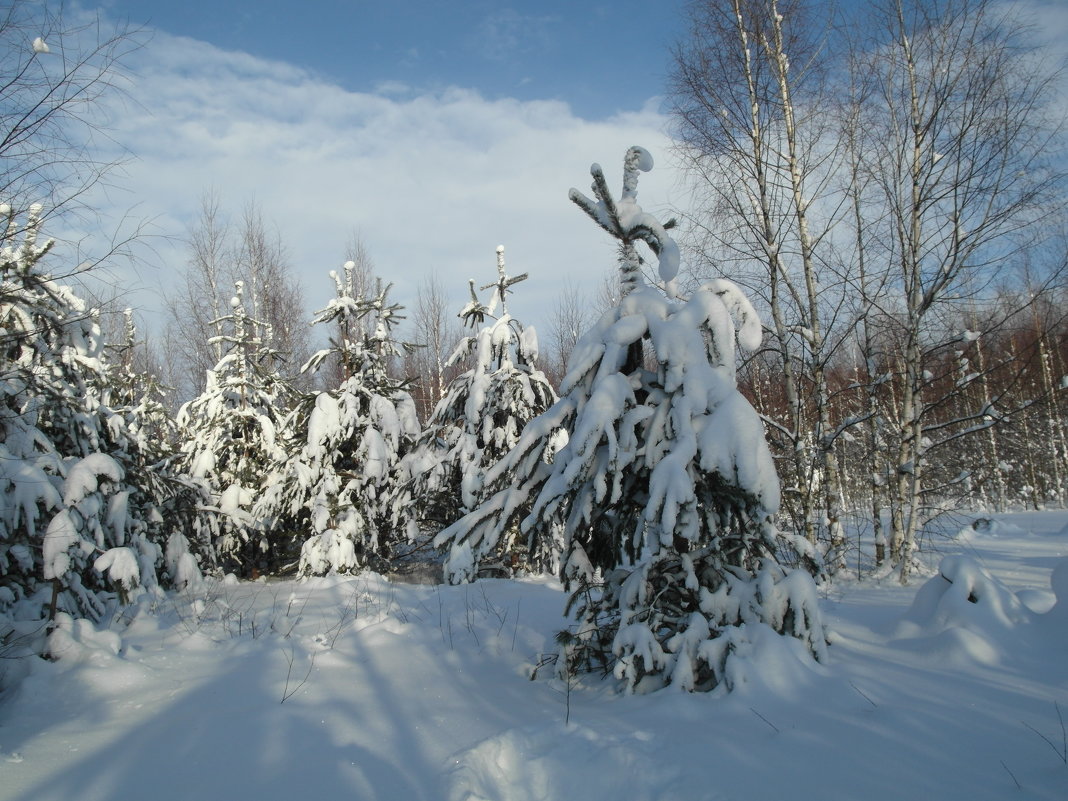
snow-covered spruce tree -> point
(230, 440)
(171, 500)
(665, 489)
(479, 420)
(338, 488)
(79, 520)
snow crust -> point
(424, 692)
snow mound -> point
(965, 594)
(567, 761)
(75, 640)
(761, 661)
(1059, 584)
(93, 658)
(964, 613)
(989, 527)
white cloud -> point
(433, 182)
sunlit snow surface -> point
(396, 691)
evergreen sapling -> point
(232, 442)
(665, 490)
(338, 490)
(479, 420)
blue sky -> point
(433, 130)
(601, 57)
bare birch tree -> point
(956, 135)
(876, 190)
(437, 332)
(220, 254)
(571, 316)
(749, 93)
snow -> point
(27, 485)
(121, 567)
(61, 535)
(82, 477)
(324, 419)
(357, 687)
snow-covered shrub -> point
(337, 491)
(665, 489)
(619, 618)
(479, 420)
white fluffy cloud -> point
(433, 183)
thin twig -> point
(1061, 752)
(286, 693)
(765, 720)
(862, 695)
(1013, 775)
(567, 714)
(515, 629)
(1064, 734)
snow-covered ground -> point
(362, 688)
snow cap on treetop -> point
(627, 221)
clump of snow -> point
(83, 476)
(181, 564)
(122, 569)
(59, 538)
(76, 640)
(461, 563)
(327, 552)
